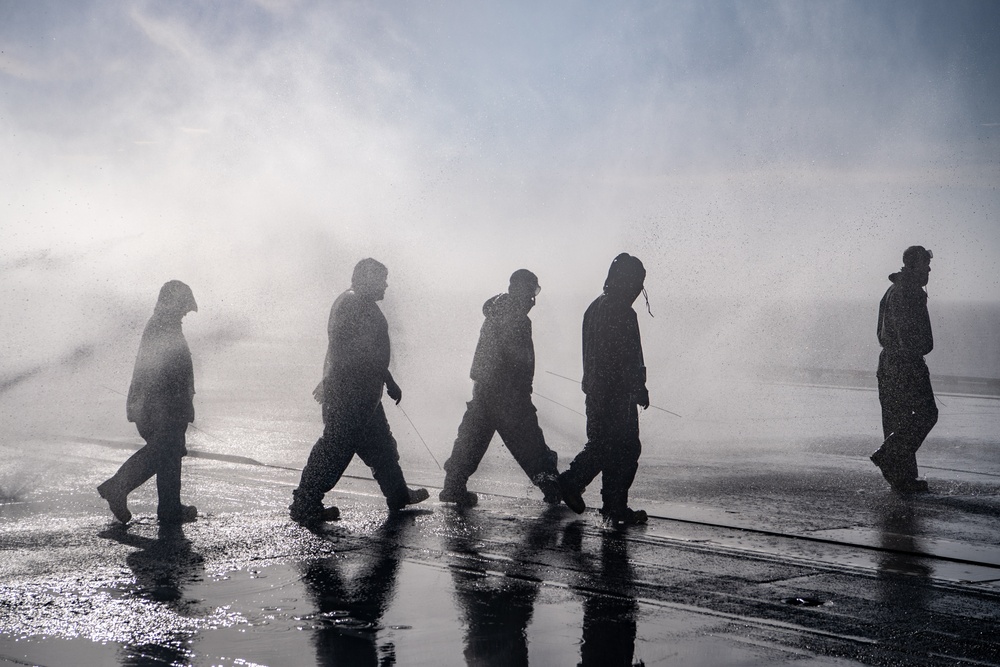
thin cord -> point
(419, 436)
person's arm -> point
(391, 388)
(913, 323)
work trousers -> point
(612, 450)
(908, 412)
(351, 429)
(511, 414)
(161, 456)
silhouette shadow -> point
(903, 579)
(350, 608)
(496, 610)
(610, 610)
(163, 567)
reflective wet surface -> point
(509, 582)
(766, 545)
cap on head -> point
(915, 256)
(368, 273)
(625, 275)
(524, 281)
(176, 297)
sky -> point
(747, 151)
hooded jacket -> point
(612, 349)
(162, 389)
(505, 354)
(358, 353)
(904, 326)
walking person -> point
(503, 371)
(904, 383)
(614, 380)
(355, 373)
(161, 404)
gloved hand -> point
(642, 398)
(395, 393)
(318, 392)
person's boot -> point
(417, 496)
(118, 502)
(571, 495)
(629, 517)
(548, 483)
(306, 510)
(883, 461)
(460, 496)
(186, 514)
(413, 496)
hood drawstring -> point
(646, 297)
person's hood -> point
(625, 274)
(904, 277)
(175, 300)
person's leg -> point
(327, 462)
(517, 424)
(892, 457)
(622, 460)
(170, 445)
(474, 436)
(909, 410)
(590, 461)
(377, 448)
(133, 473)
(921, 416)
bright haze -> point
(761, 158)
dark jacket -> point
(904, 326)
(612, 349)
(357, 356)
(162, 389)
(505, 354)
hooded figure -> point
(503, 371)
(904, 384)
(614, 380)
(355, 371)
(161, 404)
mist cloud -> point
(747, 151)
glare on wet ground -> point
(742, 529)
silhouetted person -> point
(503, 370)
(614, 380)
(904, 383)
(354, 374)
(161, 403)
(350, 609)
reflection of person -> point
(903, 580)
(610, 613)
(496, 617)
(904, 383)
(503, 370)
(163, 568)
(349, 610)
(614, 380)
(354, 373)
(161, 403)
